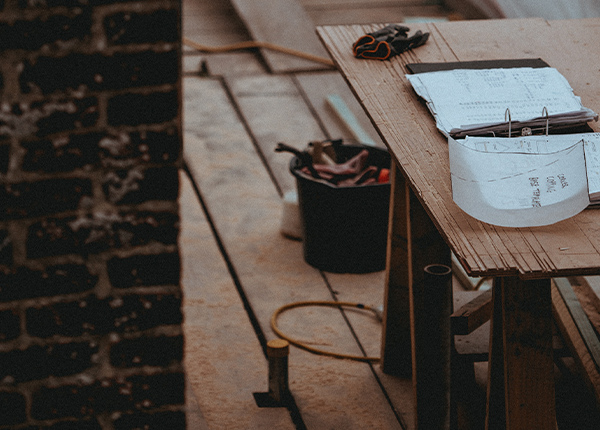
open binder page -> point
(475, 101)
(546, 144)
(518, 189)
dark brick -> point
(125, 28)
(100, 73)
(6, 248)
(39, 362)
(22, 282)
(83, 424)
(144, 270)
(30, 199)
(42, 118)
(12, 408)
(128, 150)
(26, 4)
(88, 235)
(65, 115)
(31, 35)
(147, 351)
(10, 325)
(136, 185)
(137, 392)
(62, 153)
(130, 313)
(137, 109)
(75, 401)
(143, 392)
(4, 157)
(172, 420)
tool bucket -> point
(344, 228)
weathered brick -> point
(66, 115)
(143, 392)
(99, 232)
(26, 4)
(4, 157)
(125, 28)
(100, 73)
(45, 117)
(10, 325)
(39, 362)
(6, 248)
(30, 199)
(90, 423)
(61, 153)
(73, 25)
(90, 315)
(137, 109)
(137, 392)
(12, 408)
(147, 351)
(76, 401)
(127, 150)
(144, 270)
(137, 185)
(173, 420)
(22, 282)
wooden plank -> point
(576, 344)
(285, 23)
(473, 314)
(275, 111)
(589, 300)
(580, 318)
(521, 378)
(243, 202)
(211, 305)
(211, 23)
(317, 86)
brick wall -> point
(90, 145)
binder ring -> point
(507, 113)
(547, 119)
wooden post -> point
(432, 348)
(413, 243)
(521, 376)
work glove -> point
(387, 42)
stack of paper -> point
(496, 101)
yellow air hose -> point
(302, 345)
(256, 44)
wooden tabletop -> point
(569, 247)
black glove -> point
(387, 42)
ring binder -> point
(507, 112)
(547, 118)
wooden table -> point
(425, 223)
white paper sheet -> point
(518, 189)
(545, 144)
(463, 101)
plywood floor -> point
(238, 268)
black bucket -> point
(344, 228)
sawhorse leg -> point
(521, 368)
(413, 244)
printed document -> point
(525, 181)
(485, 101)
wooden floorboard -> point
(316, 87)
(219, 337)
(275, 111)
(285, 23)
(245, 207)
